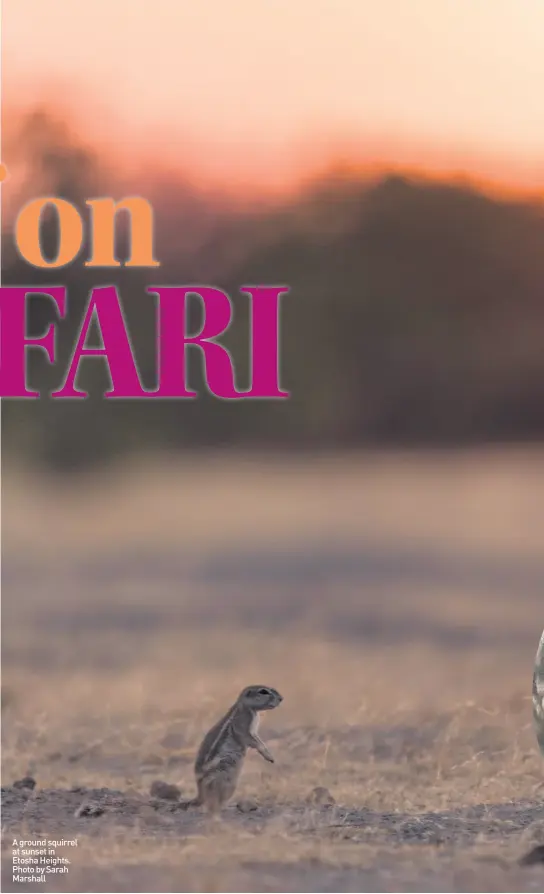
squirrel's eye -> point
(263, 692)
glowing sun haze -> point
(267, 89)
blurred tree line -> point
(416, 315)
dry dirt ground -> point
(396, 602)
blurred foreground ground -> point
(395, 600)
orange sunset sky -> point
(263, 91)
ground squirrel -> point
(222, 752)
(538, 694)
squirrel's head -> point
(260, 698)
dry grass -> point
(379, 733)
(395, 602)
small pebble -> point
(27, 782)
(164, 790)
(89, 809)
(247, 806)
(320, 797)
